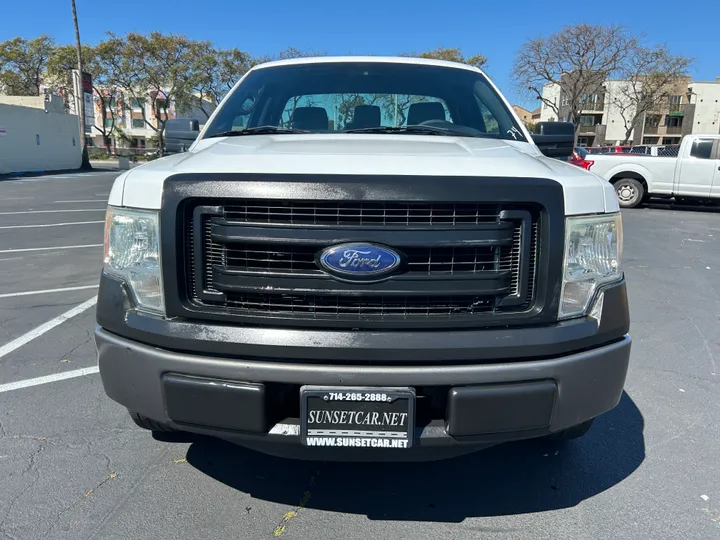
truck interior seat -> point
(366, 116)
(422, 112)
(312, 118)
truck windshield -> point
(367, 97)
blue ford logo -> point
(359, 260)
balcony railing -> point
(676, 107)
(674, 130)
(651, 130)
(597, 105)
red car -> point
(579, 158)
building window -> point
(582, 142)
(675, 103)
(589, 99)
(652, 121)
(702, 148)
(564, 100)
(587, 120)
(650, 140)
(138, 123)
(565, 118)
(673, 121)
(135, 103)
(108, 122)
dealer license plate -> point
(357, 417)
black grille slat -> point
(339, 306)
(363, 214)
(252, 257)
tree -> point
(108, 96)
(452, 55)
(23, 63)
(213, 74)
(649, 77)
(153, 69)
(578, 59)
(60, 66)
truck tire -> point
(148, 424)
(574, 432)
(630, 192)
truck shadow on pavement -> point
(514, 478)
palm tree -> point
(85, 159)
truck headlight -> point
(593, 248)
(132, 253)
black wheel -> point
(574, 432)
(630, 192)
(151, 425)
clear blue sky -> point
(495, 28)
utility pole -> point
(83, 140)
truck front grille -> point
(252, 260)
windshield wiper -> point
(422, 130)
(259, 130)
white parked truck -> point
(365, 258)
(693, 175)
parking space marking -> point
(78, 201)
(54, 248)
(48, 379)
(46, 291)
(46, 327)
(49, 225)
(53, 211)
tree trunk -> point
(85, 158)
(107, 141)
(161, 141)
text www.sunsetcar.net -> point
(356, 442)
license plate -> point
(357, 417)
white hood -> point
(365, 154)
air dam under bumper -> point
(487, 403)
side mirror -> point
(555, 139)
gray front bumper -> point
(588, 383)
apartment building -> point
(672, 122)
(692, 107)
(705, 98)
(130, 121)
(529, 117)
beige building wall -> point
(32, 139)
(52, 104)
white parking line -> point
(53, 211)
(49, 225)
(46, 327)
(78, 201)
(45, 291)
(48, 379)
(58, 248)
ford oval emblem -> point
(359, 261)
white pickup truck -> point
(365, 258)
(693, 175)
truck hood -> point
(364, 154)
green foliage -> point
(23, 63)
(452, 55)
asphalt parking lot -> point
(74, 466)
